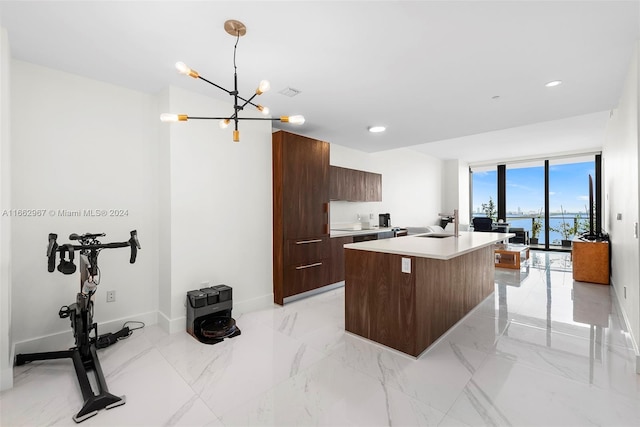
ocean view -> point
(555, 221)
(566, 189)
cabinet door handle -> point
(302, 242)
(302, 267)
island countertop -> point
(432, 247)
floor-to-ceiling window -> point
(485, 192)
(547, 199)
(569, 199)
(525, 199)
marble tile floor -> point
(543, 350)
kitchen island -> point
(407, 292)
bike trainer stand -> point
(85, 359)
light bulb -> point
(263, 110)
(263, 87)
(224, 123)
(183, 69)
(236, 136)
(170, 117)
(296, 120)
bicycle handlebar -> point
(135, 245)
(51, 252)
(85, 236)
(53, 247)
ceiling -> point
(428, 70)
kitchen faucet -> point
(454, 218)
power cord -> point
(142, 325)
(108, 339)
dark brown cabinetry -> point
(300, 214)
(337, 258)
(373, 187)
(354, 185)
(410, 311)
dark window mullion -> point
(546, 204)
(502, 192)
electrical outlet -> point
(406, 265)
(625, 292)
(111, 296)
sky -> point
(568, 188)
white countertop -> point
(427, 247)
(345, 233)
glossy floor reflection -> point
(542, 351)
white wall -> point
(621, 161)
(6, 355)
(455, 189)
(164, 215)
(201, 204)
(411, 186)
(221, 206)
(81, 144)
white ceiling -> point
(428, 70)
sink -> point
(435, 235)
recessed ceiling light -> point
(377, 129)
(554, 83)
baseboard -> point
(313, 292)
(6, 371)
(171, 326)
(6, 375)
(252, 304)
(179, 324)
(63, 340)
(164, 322)
(625, 319)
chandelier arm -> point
(232, 118)
(248, 101)
(208, 118)
(213, 84)
(230, 92)
(259, 118)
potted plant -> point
(489, 209)
(567, 230)
(536, 226)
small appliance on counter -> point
(399, 232)
(209, 314)
(384, 220)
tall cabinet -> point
(301, 247)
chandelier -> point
(236, 29)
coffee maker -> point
(384, 220)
